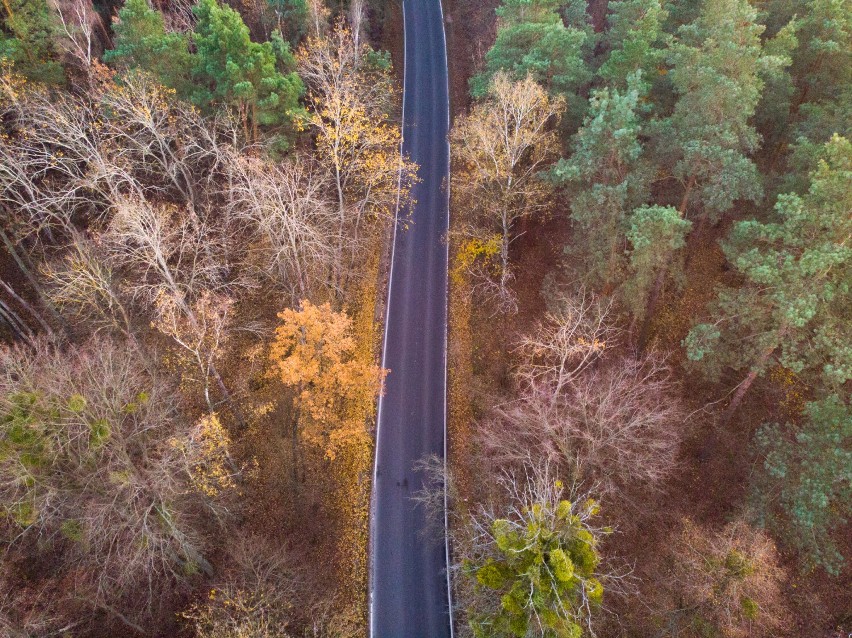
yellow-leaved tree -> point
(351, 98)
(314, 352)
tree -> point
(350, 95)
(821, 103)
(533, 40)
(618, 426)
(314, 353)
(176, 266)
(572, 336)
(656, 234)
(791, 309)
(142, 42)
(252, 599)
(291, 220)
(635, 39)
(598, 418)
(82, 284)
(293, 17)
(244, 75)
(715, 63)
(535, 563)
(727, 583)
(97, 464)
(608, 178)
(28, 40)
(500, 147)
(805, 486)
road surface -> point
(409, 586)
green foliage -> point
(27, 39)
(716, 59)
(532, 38)
(141, 42)
(292, 18)
(810, 470)
(608, 179)
(635, 39)
(245, 75)
(655, 234)
(256, 80)
(792, 307)
(542, 568)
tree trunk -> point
(747, 383)
(651, 307)
(685, 201)
(10, 247)
(228, 398)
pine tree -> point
(27, 39)
(715, 63)
(655, 234)
(822, 72)
(609, 179)
(533, 39)
(792, 308)
(292, 17)
(244, 75)
(635, 39)
(141, 42)
(809, 467)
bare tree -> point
(77, 19)
(290, 219)
(318, 17)
(729, 579)
(94, 465)
(82, 283)
(356, 139)
(200, 329)
(177, 266)
(162, 141)
(500, 148)
(571, 337)
(252, 599)
(618, 426)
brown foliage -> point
(98, 467)
(730, 579)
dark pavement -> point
(409, 593)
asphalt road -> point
(409, 587)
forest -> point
(650, 321)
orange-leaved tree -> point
(314, 352)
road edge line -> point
(446, 324)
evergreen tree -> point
(142, 42)
(27, 40)
(533, 39)
(809, 467)
(292, 18)
(822, 72)
(635, 39)
(608, 180)
(715, 63)
(244, 75)
(655, 234)
(793, 306)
